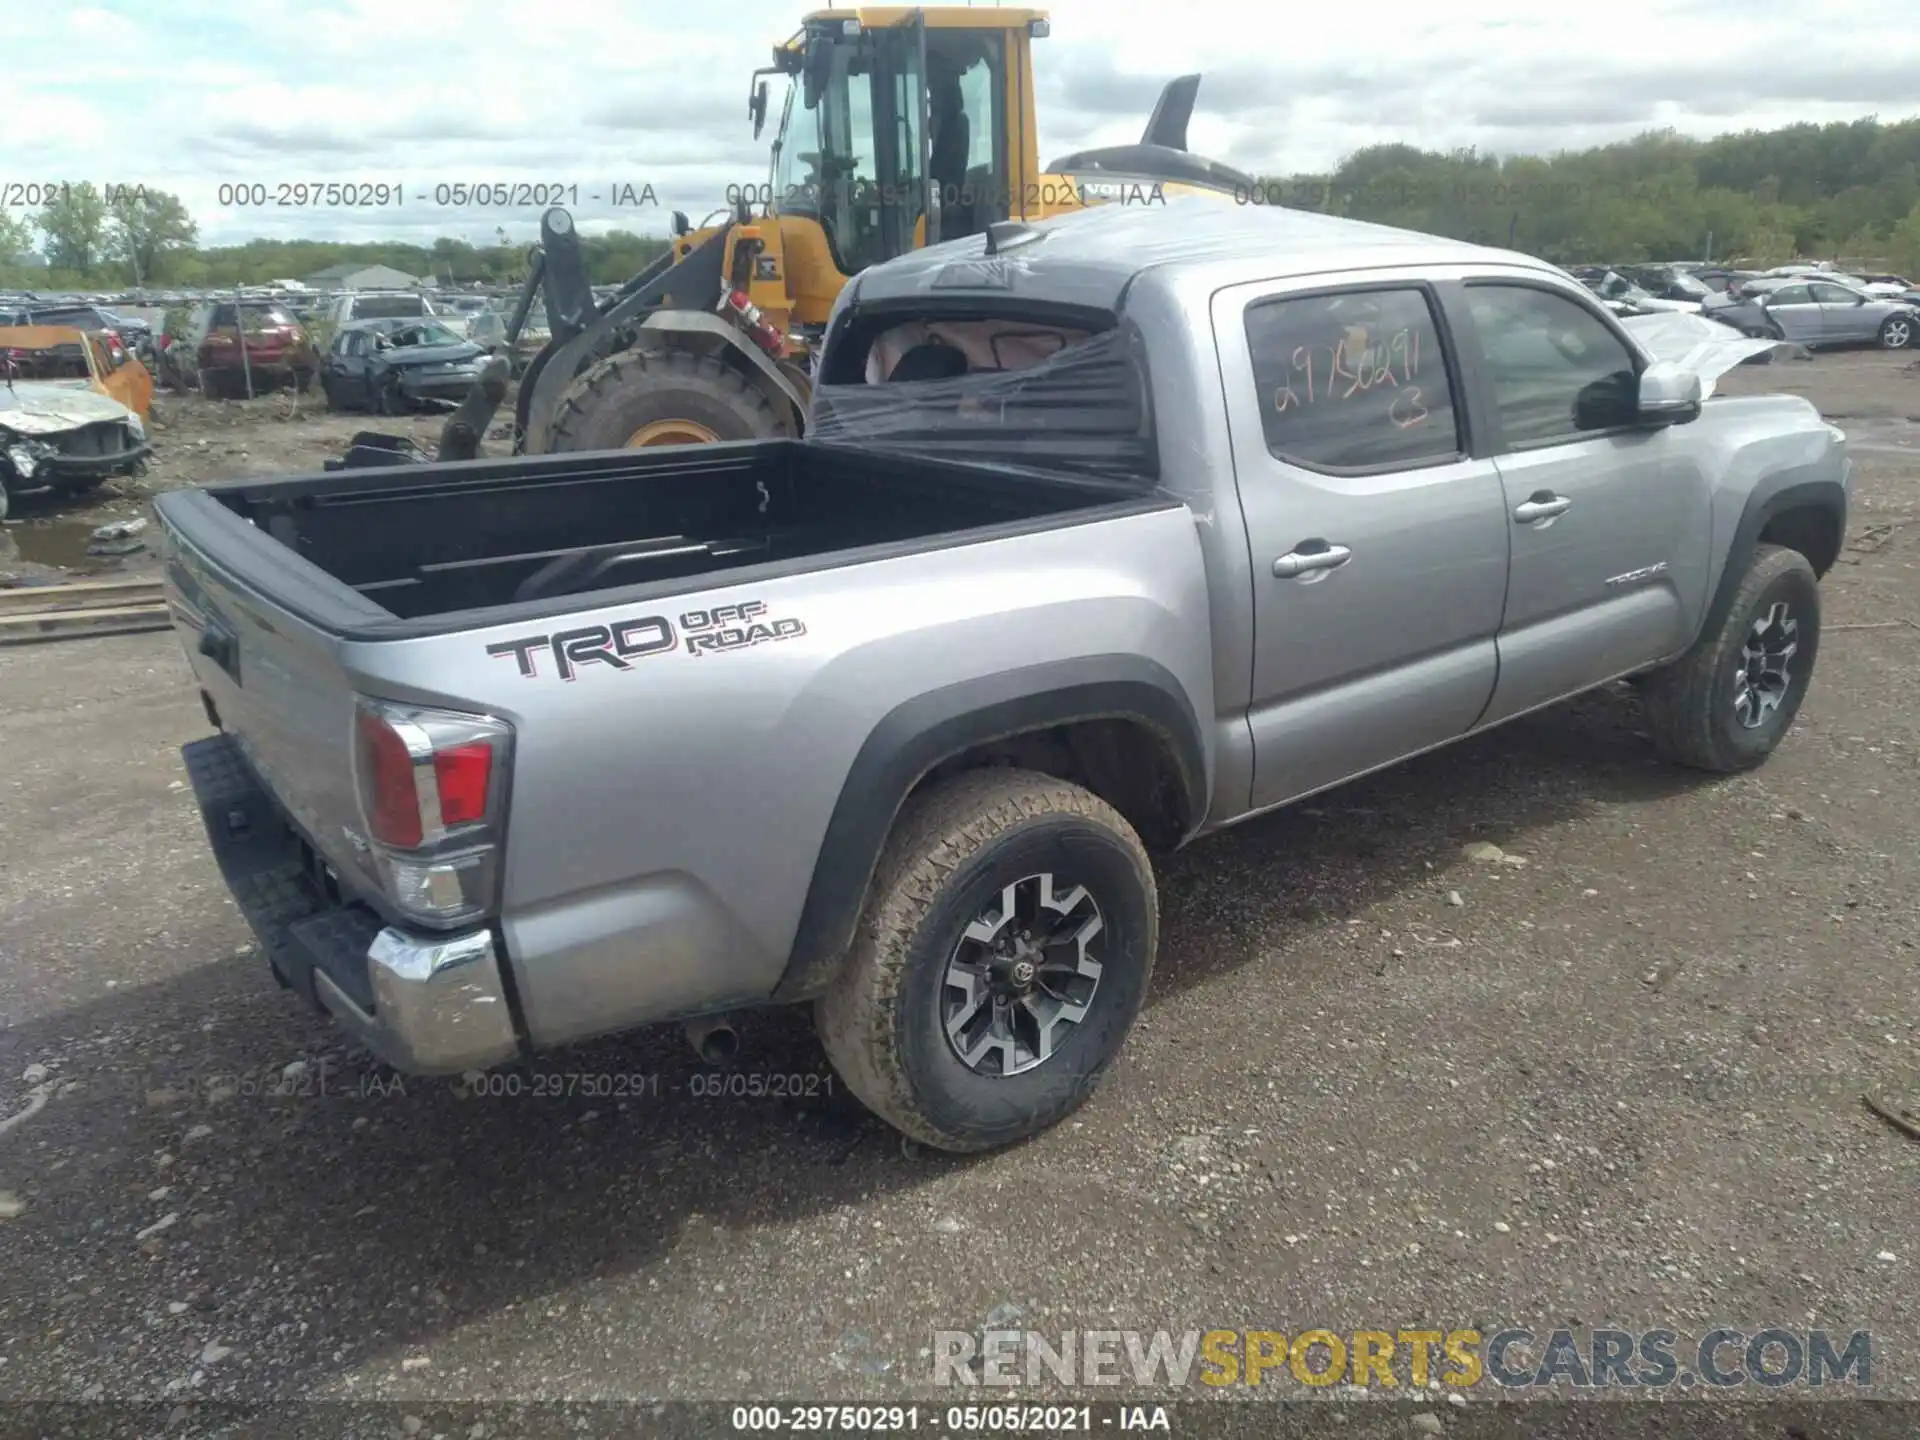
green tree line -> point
(144, 236)
(1849, 190)
(1846, 191)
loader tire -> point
(900, 1021)
(1729, 701)
(646, 397)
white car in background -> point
(380, 305)
(457, 312)
(1617, 289)
(489, 331)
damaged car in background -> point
(72, 412)
(1625, 297)
(1820, 313)
(395, 365)
(228, 350)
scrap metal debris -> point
(118, 537)
(1874, 537)
(36, 1102)
(1706, 347)
(1905, 1121)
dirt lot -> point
(195, 440)
(1619, 1084)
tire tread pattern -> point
(588, 394)
(935, 836)
(1681, 708)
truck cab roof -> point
(1089, 258)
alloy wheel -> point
(1024, 973)
(1762, 681)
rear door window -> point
(389, 307)
(1353, 381)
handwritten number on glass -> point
(1353, 367)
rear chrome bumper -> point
(427, 1004)
(438, 1004)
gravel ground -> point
(1381, 1084)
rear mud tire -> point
(607, 405)
(953, 851)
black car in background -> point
(393, 365)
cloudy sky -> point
(190, 95)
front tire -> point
(1896, 332)
(1005, 950)
(1729, 701)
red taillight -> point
(461, 775)
(394, 746)
(431, 784)
(386, 775)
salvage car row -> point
(232, 348)
(1807, 305)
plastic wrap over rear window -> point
(1085, 408)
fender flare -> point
(716, 333)
(920, 733)
(1761, 507)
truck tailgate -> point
(276, 686)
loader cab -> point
(896, 135)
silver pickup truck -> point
(1108, 532)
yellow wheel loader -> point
(902, 127)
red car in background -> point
(223, 348)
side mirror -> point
(681, 224)
(757, 108)
(1669, 395)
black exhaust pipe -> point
(714, 1038)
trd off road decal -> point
(734, 627)
(722, 628)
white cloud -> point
(591, 95)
